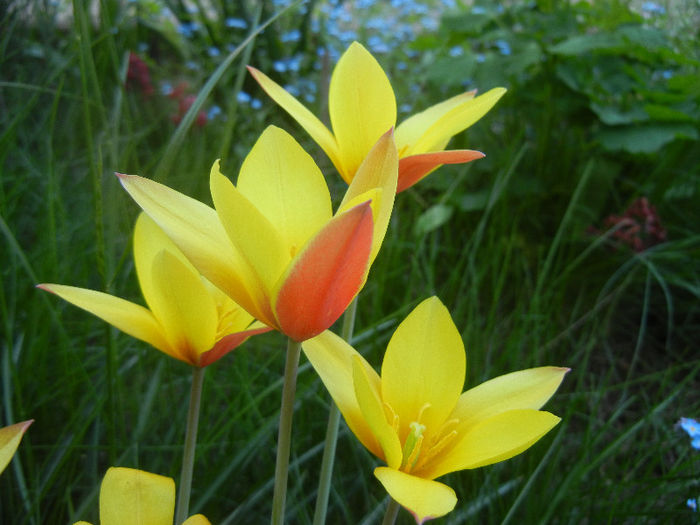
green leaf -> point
(580, 44)
(433, 218)
(644, 139)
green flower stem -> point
(324, 483)
(183, 500)
(285, 431)
(392, 510)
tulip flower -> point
(272, 243)
(135, 497)
(187, 317)
(10, 437)
(415, 416)
(362, 107)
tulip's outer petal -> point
(149, 241)
(196, 230)
(10, 436)
(134, 497)
(258, 240)
(361, 104)
(197, 519)
(492, 440)
(313, 126)
(372, 409)
(414, 168)
(82, 523)
(228, 343)
(378, 170)
(285, 185)
(130, 318)
(411, 129)
(423, 498)
(326, 275)
(455, 120)
(530, 388)
(332, 358)
(424, 367)
(184, 307)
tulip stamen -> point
(412, 446)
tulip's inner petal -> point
(415, 167)
(197, 519)
(326, 275)
(332, 358)
(149, 241)
(424, 368)
(370, 402)
(196, 230)
(530, 388)
(134, 497)
(130, 318)
(492, 440)
(10, 436)
(411, 129)
(455, 120)
(285, 185)
(184, 307)
(378, 170)
(228, 343)
(423, 498)
(361, 104)
(313, 126)
(258, 241)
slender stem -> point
(324, 483)
(285, 431)
(183, 500)
(392, 510)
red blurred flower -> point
(639, 227)
(138, 76)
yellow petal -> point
(455, 120)
(134, 497)
(530, 388)
(378, 170)
(495, 439)
(196, 230)
(130, 318)
(361, 105)
(313, 126)
(285, 185)
(10, 437)
(368, 398)
(411, 129)
(184, 307)
(423, 498)
(332, 358)
(424, 367)
(256, 239)
(197, 519)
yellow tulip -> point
(187, 317)
(362, 107)
(272, 243)
(415, 416)
(10, 437)
(135, 497)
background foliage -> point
(543, 251)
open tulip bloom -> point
(272, 243)
(414, 415)
(187, 317)
(362, 106)
(135, 497)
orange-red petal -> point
(326, 275)
(228, 343)
(414, 167)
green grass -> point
(525, 285)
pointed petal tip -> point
(120, 175)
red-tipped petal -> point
(323, 279)
(228, 343)
(413, 168)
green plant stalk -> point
(392, 511)
(324, 483)
(183, 499)
(284, 436)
